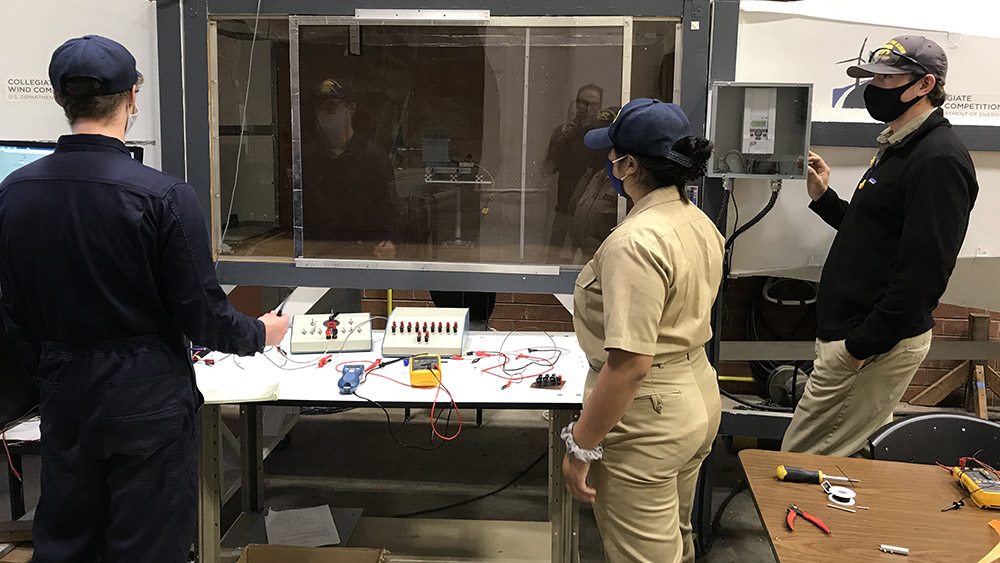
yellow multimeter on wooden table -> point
(425, 371)
(982, 485)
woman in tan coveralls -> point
(641, 313)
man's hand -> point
(855, 363)
(275, 327)
(575, 472)
(819, 176)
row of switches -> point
(440, 327)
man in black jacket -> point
(896, 246)
(105, 266)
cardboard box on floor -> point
(18, 555)
(256, 553)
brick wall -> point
(513, 310)
(530, 310)
(951, 323)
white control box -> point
(411, 331)
(322, 334)
(760, 105)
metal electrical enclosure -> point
(759, 130)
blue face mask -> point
(619, 185)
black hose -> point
(723, 206)
(746, 226)
(754, 405)
(717, 521)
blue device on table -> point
(351, 378)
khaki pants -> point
(646, 481)
(841, 407)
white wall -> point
(792, 241)
(31, 31)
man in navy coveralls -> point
(105, 267)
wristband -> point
(578, 452)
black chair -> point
(937, 437)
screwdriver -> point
(791, 474)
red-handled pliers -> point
(790, 519)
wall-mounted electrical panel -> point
(759, 130)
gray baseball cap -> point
(906, 54)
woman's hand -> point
(575, 472)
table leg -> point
(209, 487)
(16, 486)
(251, 459)
(564, 511)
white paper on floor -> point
(311, 527)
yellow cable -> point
(388, 301)
(736, 378)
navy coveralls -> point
(105, 266)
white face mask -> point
(131, 119)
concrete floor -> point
(350, 460)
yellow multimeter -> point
(982, 486)
(425, 371)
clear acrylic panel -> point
(425, 143)
(252, 210)
(575, 86)
(419, 144)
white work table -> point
(473, 382)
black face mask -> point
(883, 104)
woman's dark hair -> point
(658, 171)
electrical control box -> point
(760, 130)
(758, 120)
(339, 332)
(412, 331)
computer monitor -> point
(15, 154)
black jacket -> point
(897, 240)
(104, 264)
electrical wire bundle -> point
(728, 252)
(453, 408)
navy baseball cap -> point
(646, 127)
(93, 56)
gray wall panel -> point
(287, 274)
(694, 66)
(833, 134)
(168, 47)
(725, 34)
(197, 145)
(509, 8)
